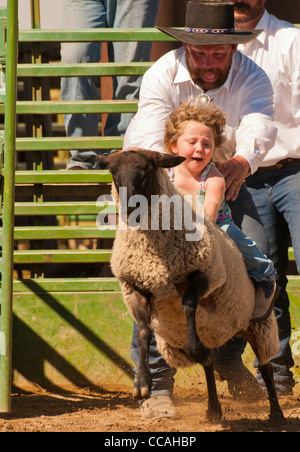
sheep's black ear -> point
(106, 159)
(103, 160)
(167, 160)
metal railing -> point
(8, 61)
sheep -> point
(194, 294)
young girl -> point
(193, 131)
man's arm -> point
(156, 102)
(255, 135)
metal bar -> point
(37, 128)
(88, 35)
(65, 107)
(35, 14)
(8, 208)
(63, 177)
(52, 144)
(63, 208)
(62, 232)
(82, 69)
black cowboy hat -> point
(210, 23)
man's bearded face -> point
(209, 65)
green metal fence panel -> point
(38, 184)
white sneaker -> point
(158, 407)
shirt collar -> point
(182, 74)
(263, 24)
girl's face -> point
(196, 144)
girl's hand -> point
(234, 171)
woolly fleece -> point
(161, 261)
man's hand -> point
(234, 171)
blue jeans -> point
(277, 197)
(259, 267)
(79, 14)
(245, 215)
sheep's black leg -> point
(214, 412)
(142, 383)
(197, 287)
(276, 415)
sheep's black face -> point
(137, 175)
(135, 171)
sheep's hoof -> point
(214, 414)
(141, 393)
(277, 418)
(145, 393)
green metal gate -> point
(39, 194)
(54, 316)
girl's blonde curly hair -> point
(208, 114)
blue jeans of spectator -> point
(78, 14)
(277, 197)
(245, 215)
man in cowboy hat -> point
(209, 65)
(275, 187)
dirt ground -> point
(113, 410)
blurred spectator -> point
(79, 14)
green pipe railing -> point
(7, 208)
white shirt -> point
(246, 98)
(277, 51)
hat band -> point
(210, 30)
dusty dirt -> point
(114, 410)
